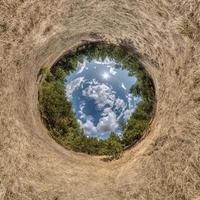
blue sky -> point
(99, 93)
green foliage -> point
(114, 146)
(53, 105)
(57, 111)
(141, 116)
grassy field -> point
(165, 165)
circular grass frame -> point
(56, 110)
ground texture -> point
(164, 165)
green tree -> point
(57, 110)
(114, 146)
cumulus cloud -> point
(112, 71)
(101, 94)
(73, 85)
(81, 66)
(128, 113)
(129, 97)
(119, 104)
(88, 126)
(123, 86)
(106, 61)
(82, 106)
(93, 82)
(133, 100)
(82, 115)
(81, 112)
(108, 122)
(86, 122)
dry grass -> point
(165, 165)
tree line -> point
(56, 110)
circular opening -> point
(97, 99)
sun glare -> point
(105, 75)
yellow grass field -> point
(165, 165)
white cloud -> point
(133, 100)
(82, 115)
(88, 126)
(128, 113)
(93, 82)
(129, 97)
(119, 103)
(73, 85)
(108, 122)
(90, 117)
(121, 114)
(106, 61)
(101, 93)
(81, 112)
(81, 66)
(123, 86)
(112, 71)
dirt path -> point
(166, 164)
